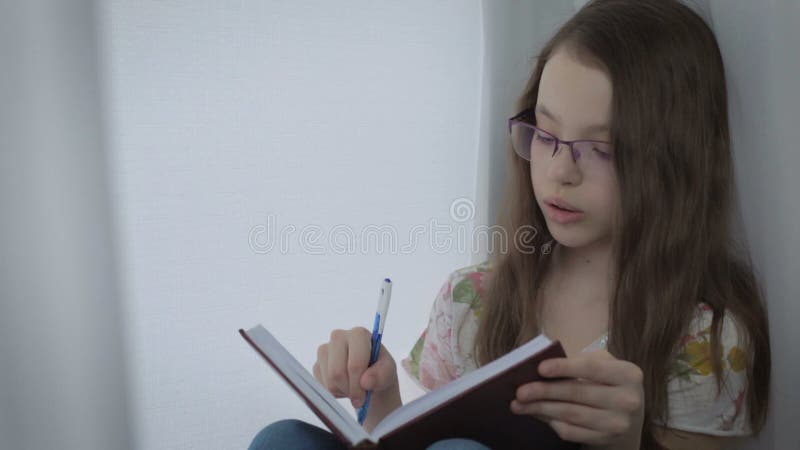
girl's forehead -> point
(572, 94)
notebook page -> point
(311, 388)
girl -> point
(620, 159)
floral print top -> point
(443, 352)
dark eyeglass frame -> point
(526, 118)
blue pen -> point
(377, 333)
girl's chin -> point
(575, 238)
(571, 237)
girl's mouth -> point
(561, 215)
(562, 209)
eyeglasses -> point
(535, 144)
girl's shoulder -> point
(467, 285)
(443, 350)
(695, 404)
(474, 270)
(694, 354)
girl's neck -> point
(575, 295)
(588, 263)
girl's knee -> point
(278, 433)
(294, 434)
(457, 444)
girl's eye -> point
(544, 139)
(602, 154)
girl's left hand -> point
(602, 405)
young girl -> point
(620, 159)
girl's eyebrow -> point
(546, 112)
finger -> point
(318, 376)
(320, 368)
(379, 375)
(336, 373)
(603, 354)
(321, 364)
(316, 371)
(358, 345)
(597, 369)
(516, 407)
(575, 414)
(575, 433)
(574, 391)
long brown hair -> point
(674, 245)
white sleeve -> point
(694, 405)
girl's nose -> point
(563, 167)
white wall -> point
(759, 42)
(224, 113)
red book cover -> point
(480, 412)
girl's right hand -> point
(342, 366)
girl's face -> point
(577, 101)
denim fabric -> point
(292, 434)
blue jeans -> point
(292, 434)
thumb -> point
(603, 354)
(378, 376)
(369, 379)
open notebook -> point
(475, 405)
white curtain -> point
(62, 372)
